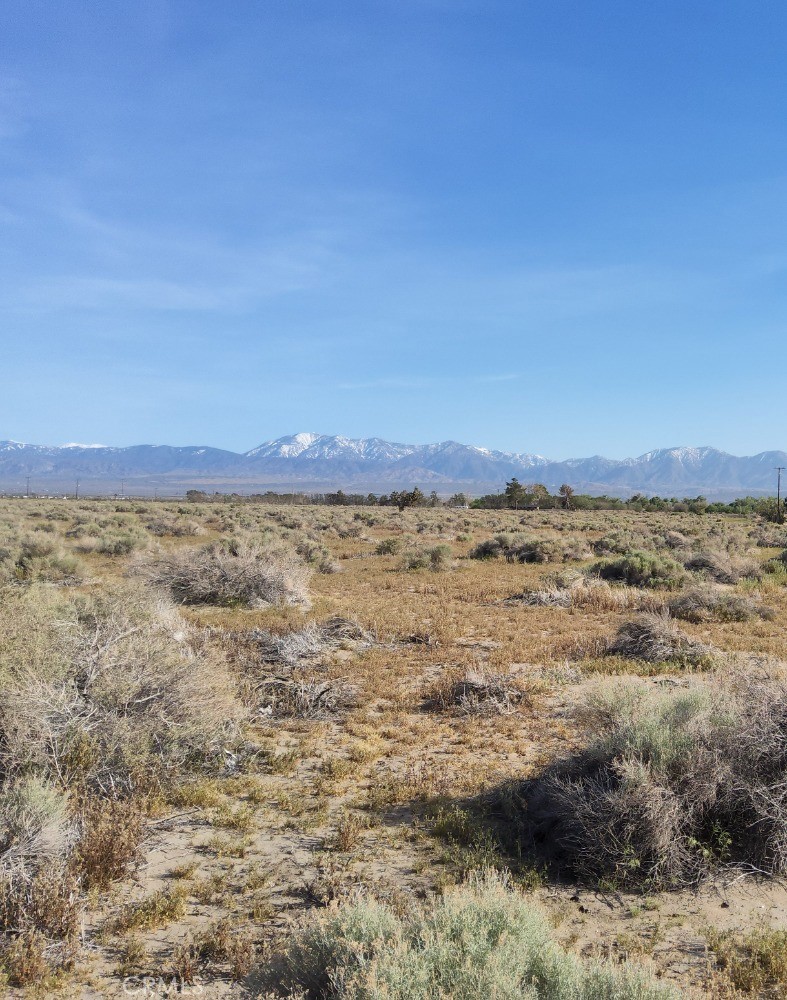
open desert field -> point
(254, 750)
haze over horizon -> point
(535, 228)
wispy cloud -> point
(426, 382)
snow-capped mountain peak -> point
(324, 446)
(322, 462)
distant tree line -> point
(515, 496)
(396, 498)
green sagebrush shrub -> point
(642, 569)
(478, 941)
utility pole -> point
(27, 488)
(76, 492)
(779, 471)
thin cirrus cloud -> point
(428, 382)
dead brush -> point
(233, 574)
(40, 921)
(334, 880)
(224, 943)
(109, 841)
(670, 786)
(47, 899)
(221, 944)
(547, 597)
(713, 604)
(477, 692)
(655, 638)
(24, 960)
(589, 594)
(307, 644)
(305, 698)
(106, 693)
(723, 567)
(350, 828)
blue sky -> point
(555, 226)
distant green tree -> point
(538, 494)
(515, 493)
(408, 498)
(567, 493)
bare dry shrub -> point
(40, 920)
(588, 593)
(390, 546)
(768, 536)
(349, 829)
(713, 604)
(675, 540)
(109, 841)
(437, 558)
(232, 574)
(570, 549)
(670, 787)
(309, 643)
(224, 943)
(547, 597)
(477, 692)
(40, 891)
(305, 698)
(119, 544)
(106, 691)
(23, 958)
(655, 638)
(723, 567)
(620, 542)
(491, 548)
(290, 649)
(45, 897)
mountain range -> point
(320, 463)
